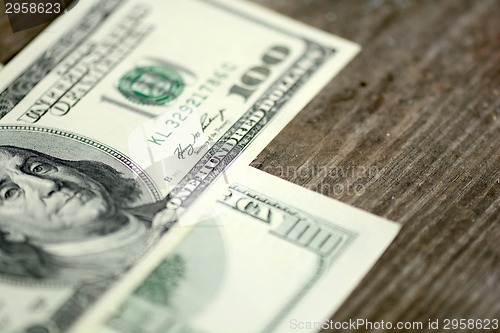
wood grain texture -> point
(408, 131)
(10, 42)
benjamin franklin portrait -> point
(70, 220)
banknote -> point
(274, 257)
(125, 120)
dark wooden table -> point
(408, 131)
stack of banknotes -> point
(126, 200)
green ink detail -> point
(151, 85)
(160, 285)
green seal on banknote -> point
(151, 85)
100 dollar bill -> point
(118, 123)
(272, 257)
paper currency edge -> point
(44, 60)
(379, 233)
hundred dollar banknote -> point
(124, 120)
(274, 257)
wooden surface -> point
(408, 131)
(11, 43)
